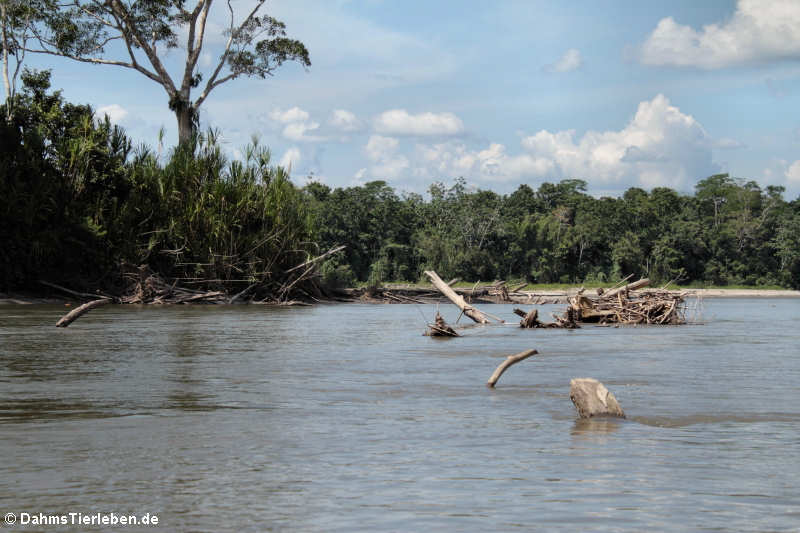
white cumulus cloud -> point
(571, 60)
(116, 113)
(793, 173)
(297, 125)
(293, 114)
(379, 147)
(344, 120)
(492, 164)
(298, 131)
(291, 158)
(387, 164)
(400, 122)
(758, 31)
(660, 146)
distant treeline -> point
(79, 205)
(729, 232)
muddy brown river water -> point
(345, 418)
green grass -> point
(535, 287)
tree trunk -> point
(186, 123)
(6, 81)
(592, 398)
(445, 289)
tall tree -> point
(135, 34)
(16, 19)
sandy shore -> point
(23, 299)
(744, 293)
(703, 293)
(26, 299)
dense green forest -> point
(81, 205)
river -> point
(345, 418)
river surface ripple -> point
(345, 418)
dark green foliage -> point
(79, 207)
(62, 177)
(730, 232)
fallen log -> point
(510, 360)
(318, 258)
(592, 398)
(451, 295)
(644, 282)
(70, 317)
(242, 293)
(519, 287)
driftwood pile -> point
(146, 287)
(620, 306)
(143, 286)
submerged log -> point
(529, 319)
(569, 320)
(451, 295)
(70, 317)
(510, 360)
(592, 398)
(440, 328)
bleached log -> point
(510, 360)
(644, 282)
(451, 295)
(592, 398)
(318, 258)
(70, 317)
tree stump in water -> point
(440, 328)
(529, 319)
(592, 398)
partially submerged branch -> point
(510, 360)
(70, 317)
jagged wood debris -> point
(621, 306)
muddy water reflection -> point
(345, 418)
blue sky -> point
(619, 93)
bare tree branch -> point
(212, 81)
(194, 46)
(130, 29)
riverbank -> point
(534, 296)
